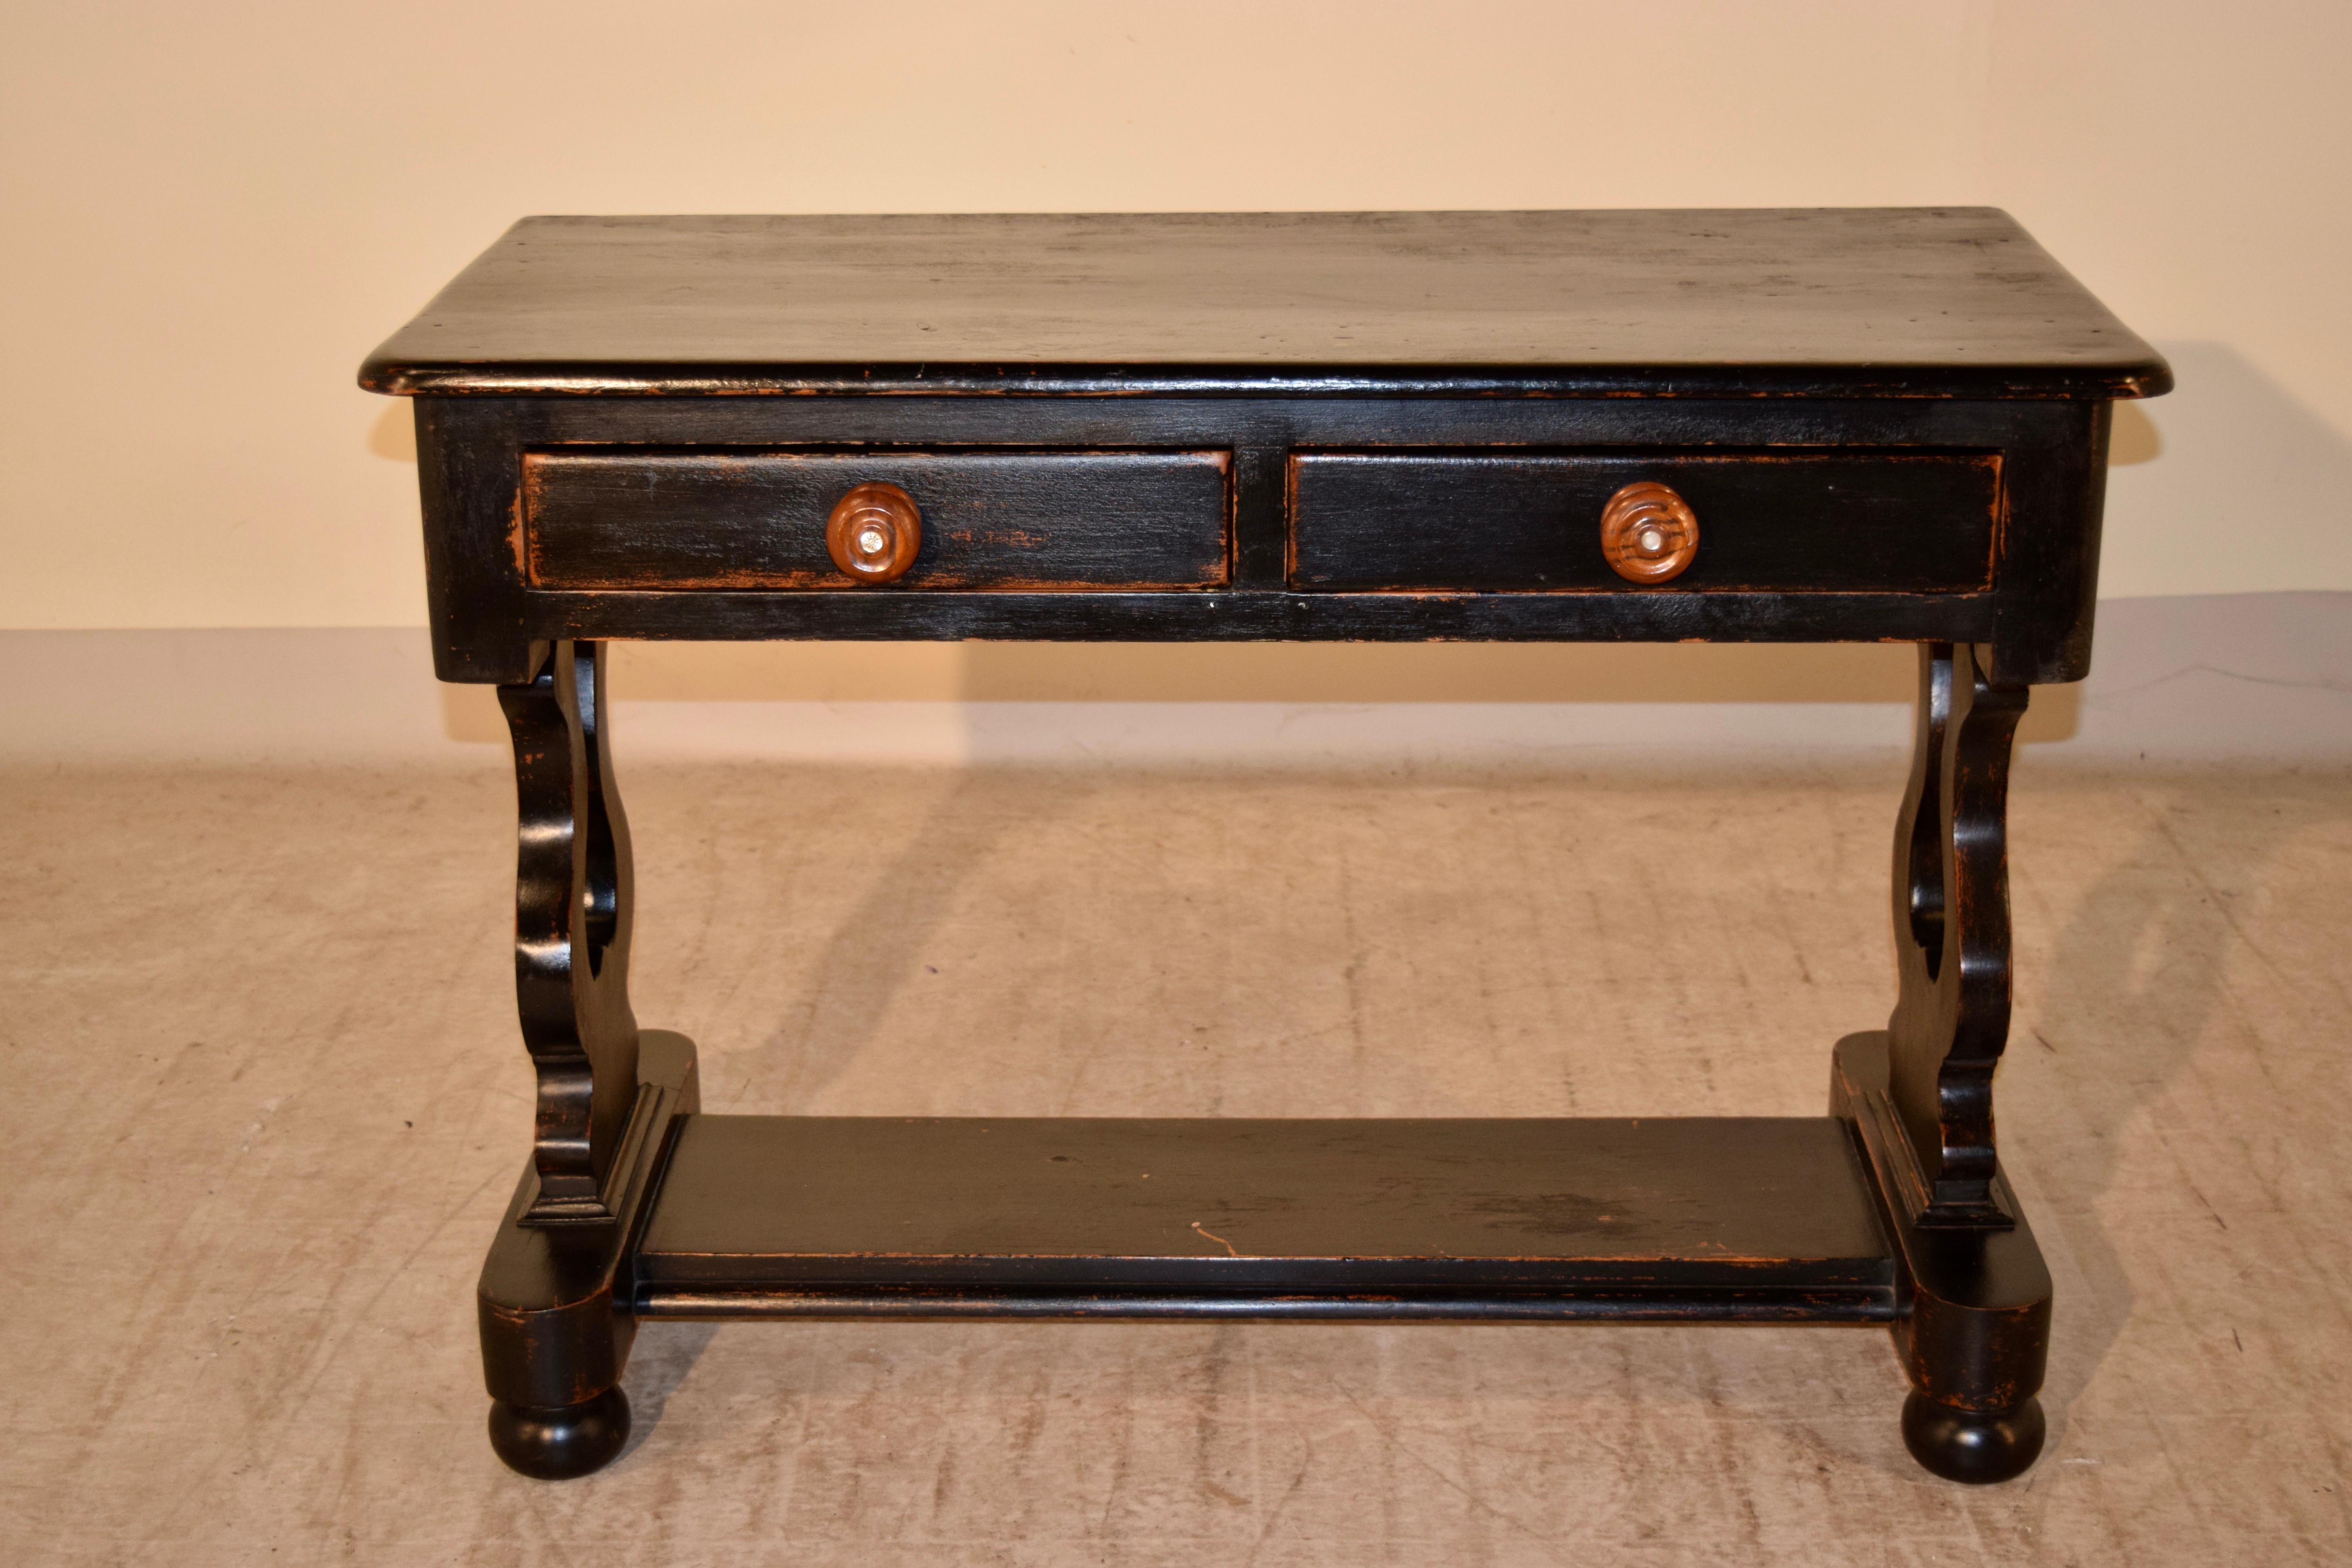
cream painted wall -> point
(214, 210)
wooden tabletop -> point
(1907, 301)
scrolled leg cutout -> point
(572, 930)
(1952, 928)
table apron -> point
(495, 606)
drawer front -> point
(743, 519)
(1531, 522)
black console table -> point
(1814, 426)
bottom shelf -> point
(1734, 1220)
(1672, 1219)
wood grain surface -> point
(1755, 1203)
(1817, 301)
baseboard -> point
(2256, 677)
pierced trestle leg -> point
(554, 1296)
(1975, 1336)
(572, 932)
(1952, 937)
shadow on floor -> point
(665, 1352)
(876, 949)
(2134, 983)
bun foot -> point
(563, 1442)
(1977, 1447)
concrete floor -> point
(265, 1102)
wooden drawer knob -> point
(874, 533)
(1648, 532)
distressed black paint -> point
(1889, 425)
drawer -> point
(740, 519)
(1786, 520)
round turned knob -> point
(874, 533)
(1648, 532)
